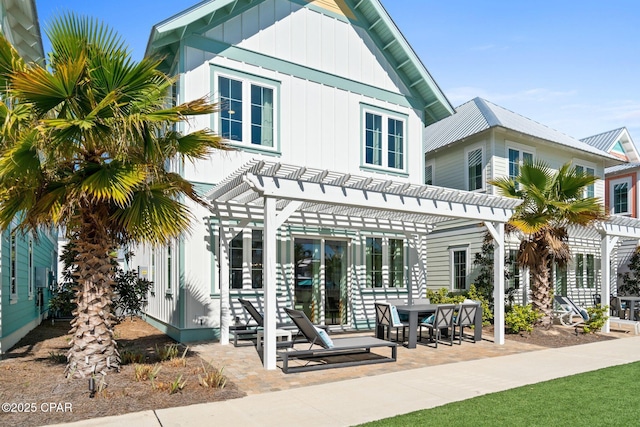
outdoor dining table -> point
(631, 303)
(414, 312)
(418, 311)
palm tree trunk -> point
(540, 292)
(93, 348)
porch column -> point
(225, 318)
(497, 232)
(606, 247)
(269, 265)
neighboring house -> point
(28, 262)
(321, 205)
(484, 141)
(622, 185)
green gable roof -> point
(166, 36)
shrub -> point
(212, 378)
(597, 318)
(131, 356)
(521, 318)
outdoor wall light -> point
(92, 387)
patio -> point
(243, 365)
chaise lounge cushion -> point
(328, 342)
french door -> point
(321, 279)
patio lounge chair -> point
(250, 330)
(569, 313)
(347, 350)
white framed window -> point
(13, 255)
(585, 265)
(169, 268)
(428, 173)
(590, 170)
(474, 171)
(459, 267)
(514, 270)
(245, 260)
(248, 115)
(31, 267)
(518, 154)
(384, 259)
(620, 196)
(384, 139)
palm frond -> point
(112, 182)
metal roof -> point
(479, 115)
(23, 29)
(621, 168)
(333, 198)
(604, 141)
(165, 38)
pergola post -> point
(225, 318)
(497, 232)
(606, 247)
(269, 264)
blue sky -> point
(570, 65)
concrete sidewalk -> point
(354, 401)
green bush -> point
(443, 296)
(597, 318)
(521, 318)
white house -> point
(321, 205)
(484, 141)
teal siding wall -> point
(23, 309)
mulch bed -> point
(32, 378)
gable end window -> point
(516, 158)
(384, 136)
(248, 112)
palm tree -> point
(84, 146)
(551, 203)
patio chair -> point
(249, 330)
(617, 308)
(466, 317)
(569, 313)
(442, 319)
(387, 317)
(322, 348)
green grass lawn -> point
(607, 397)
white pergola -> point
(610, 233)
(274, 193)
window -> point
(247, 112)
(396, 263)
(585, 270)
(31, 272)
(169, 270)
(474, 170)
(620, 191)
(516, 158)
(13, 254)
(384, 140)
(591, 271)
(580, 270)
(590, 190)
(459, 269)
(428, 174)
(245, 260)
(374, 262)
(514, 270)
(384, 262)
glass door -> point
(321, 279)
